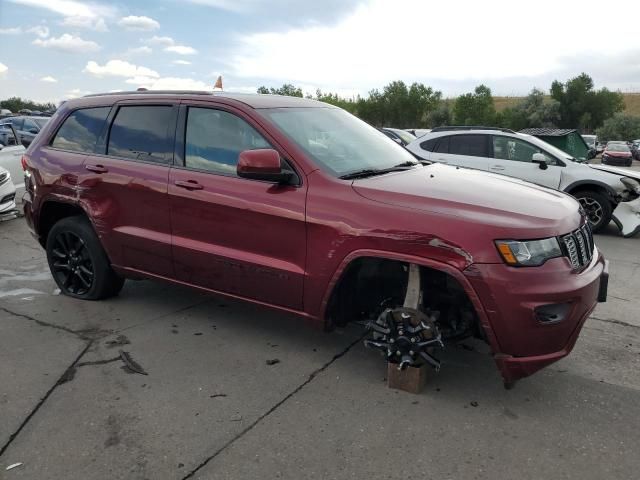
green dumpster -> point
(567, 140)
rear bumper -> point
(617, 161)
(514, 298)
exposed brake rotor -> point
(406, 336)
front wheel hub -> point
(406, 337)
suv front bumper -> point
(513, 298)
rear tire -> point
(78, 262)
(598, 208)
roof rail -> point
(153, 92)
(470, 127)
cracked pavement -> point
(211, 406)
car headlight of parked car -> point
(632, 184)
(530, 253)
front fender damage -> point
(627, 217)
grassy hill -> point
(631, 103)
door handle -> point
(496, 168)
(96, 168)
(189, 185)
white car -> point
(599, 189)
(7, 193)
(11, 156)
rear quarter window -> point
(429, 145)
(81, 129)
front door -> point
(230, 234)
(512, 157)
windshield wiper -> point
(370, 172)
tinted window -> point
(214, 140)
(17, 123)
(508, 148)
(81, 129)
(429, 144)
(29, 125)
(142, 133)
(443, 145)
(472, 145)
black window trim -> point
(488, 147)
(111, 118)
(54, 133)
(181, 144)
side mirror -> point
(25, 142)
(540, 159)
(262, 164)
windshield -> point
(338, 141)
(617, 147)
(589, 139)
(555, 151)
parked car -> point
(11, 155)
(599, 147)
(592, 142)
(617, 154)
(528, 158)
(7, 194)
(297, 205)
(635, 149)
(27, 127)
(401, 137)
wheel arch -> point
(52, 211)
(350, 260)
(595, 185)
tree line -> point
(574, 104)
(15, 104)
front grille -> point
(579, 246)
(3, 177)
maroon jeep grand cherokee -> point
(299, 206)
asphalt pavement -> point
(215, 389)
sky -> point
(51, 50)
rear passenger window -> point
(81, 129)
(214, 140)
(472, 145)
(142, 133)
(429, 145)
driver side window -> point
(215, 138)
(508, 148)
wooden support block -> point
(411, 379)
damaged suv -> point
(299, 206)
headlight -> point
(632, 184)
(530, 253)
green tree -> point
(533, 111)
(440, 116)
(620, 127)
(475, 108)
(583, 107)
(16, 104)
(286, 89)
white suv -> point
(598, 188)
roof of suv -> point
(253, 100)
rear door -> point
(513, 157)
(464, 150)
(126, 186)
(230, 234)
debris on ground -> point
(272, 361)
(474, 404)
(119, 341)
(131, 364)
(236, 418)
(218, 395)
(14, 465)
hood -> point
(623, 172)
(617, 154)
(510, 208)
